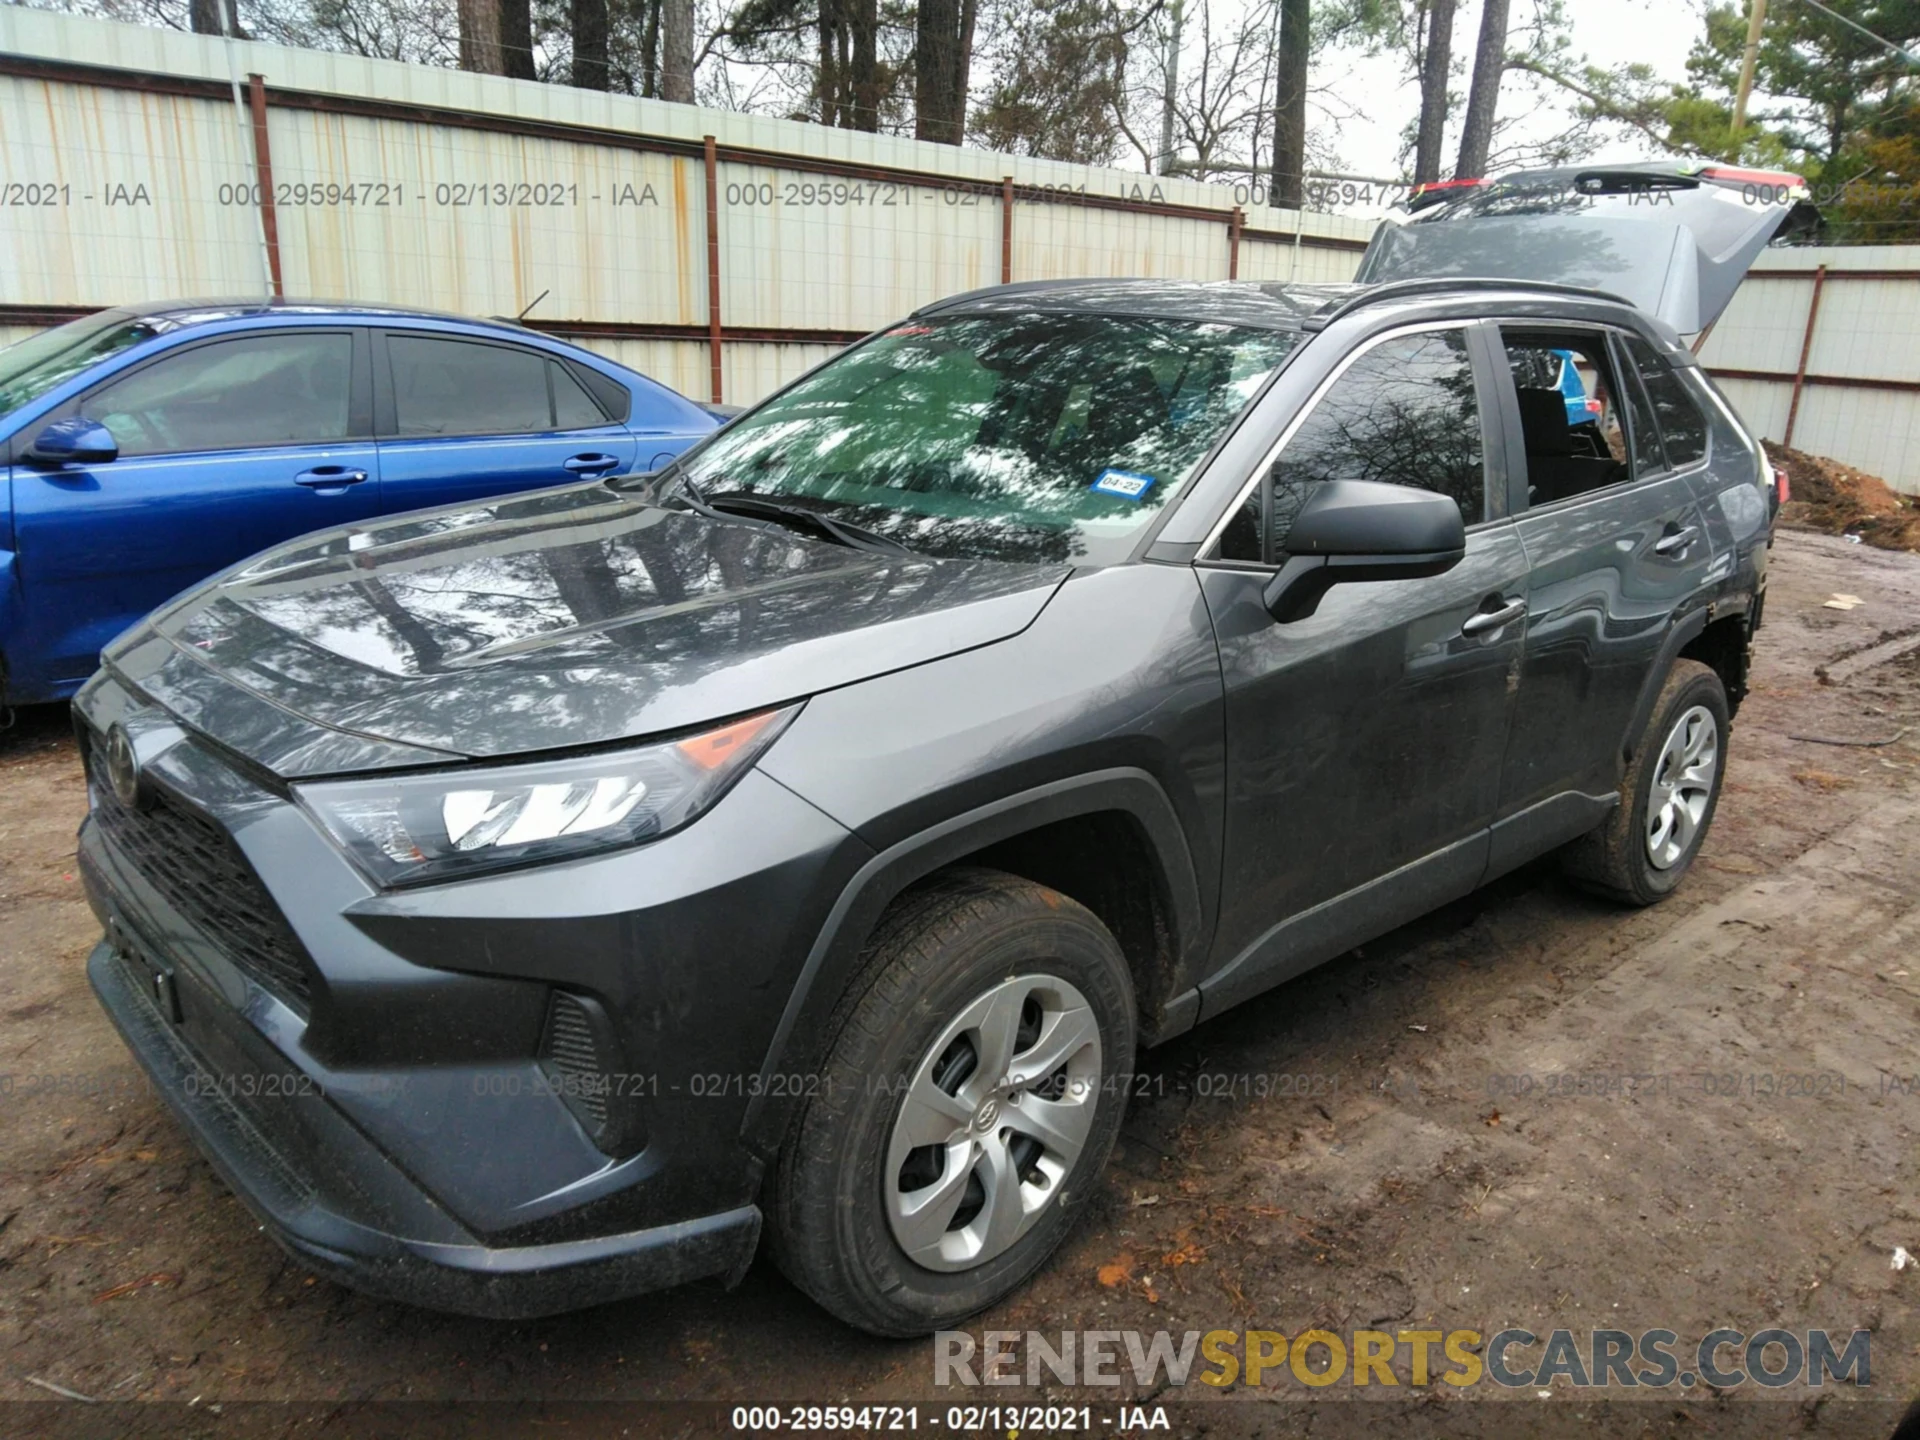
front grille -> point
(199, 871)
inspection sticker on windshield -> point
(1123, 483)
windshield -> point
(37, 364)
(1024, 437)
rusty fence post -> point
(263, 168)
(1006, 230)
(1806, 349)
(714, 337)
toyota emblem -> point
(123, 768)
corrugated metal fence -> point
(722, 253)
(1820, 350)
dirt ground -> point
(1412, 1188)
(1841, 500)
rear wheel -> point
(966, 1109)
(1667, 799)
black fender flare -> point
(1682, 632)
(798, 1041)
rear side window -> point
(238, 394)
(1405, 412)
(456, 387)
(1682, 425)
(573, 408)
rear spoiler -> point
(1434, 191)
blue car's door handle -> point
(326, 477)
(591, 464)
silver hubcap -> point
(1683, 780)
(993, 1119)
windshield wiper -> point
(795, 517)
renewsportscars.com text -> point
(1516, 1358)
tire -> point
(975, 964)
(1645, 849)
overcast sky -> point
(1609, 32)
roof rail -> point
(1017, 287)
(1404, 289)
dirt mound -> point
(1840, 500)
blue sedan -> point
(147, 447)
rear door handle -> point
(1677, 542)
(591, 464)
(1482, 621)
(326, 477)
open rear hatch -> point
(1674, 240)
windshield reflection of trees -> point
(984, 435)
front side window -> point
(1405, 412)
(458, 387)
(1682, 425)
(260, 390)
(1018, 437)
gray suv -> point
(530, 904)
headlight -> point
(446, 823)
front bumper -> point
(439, 1265)
(374, 1072)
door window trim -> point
(1629, 375)
(1489, 516)
(360, 427)
(1706, 420)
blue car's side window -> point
(260, 390)
(459, 387)
(573, 407)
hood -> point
(1675, 241)
(543, 621)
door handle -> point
(326, 477)
(1677, 542)
(591, 464)
(1482, 621)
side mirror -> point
(74, 441)
(1363, 530)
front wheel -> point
(1667, 799)
(966, 1109)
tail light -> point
(1434, 191)
(1783, 180)
(1782, 487)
